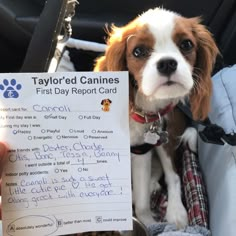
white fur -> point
(141, 176)
(176, 212)
(152, 96)
(152, 82)
(190, 137)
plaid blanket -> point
(194, 198)
(194, 192)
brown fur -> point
(115, 55)
(176, 124)
(206, 55)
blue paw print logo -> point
(10, 88)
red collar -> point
(143, 118)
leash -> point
(212, 133)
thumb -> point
(3, 154)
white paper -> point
(68, 168)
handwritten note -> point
(68, 167)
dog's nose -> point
(167, 66)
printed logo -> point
(10, 88)
(106, 103)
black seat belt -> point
(45, 37)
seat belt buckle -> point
(213, 134)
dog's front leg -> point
(141, 176)
(176, 212)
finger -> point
(3, 154)
(0, 210)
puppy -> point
(169, 59)
(106, 104)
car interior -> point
(18, 20)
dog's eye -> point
(141, 52)
(186, 45)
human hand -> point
(3, 152)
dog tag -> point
(151, 137)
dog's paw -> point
(190, 137)
(177, 214)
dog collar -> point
(142, 117)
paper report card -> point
(68, 168)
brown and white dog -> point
(169, 58)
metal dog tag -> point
(151, 137)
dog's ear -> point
(207, 51)
(115, 54)
(109, 100)
(102, 102)
(114, 58)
